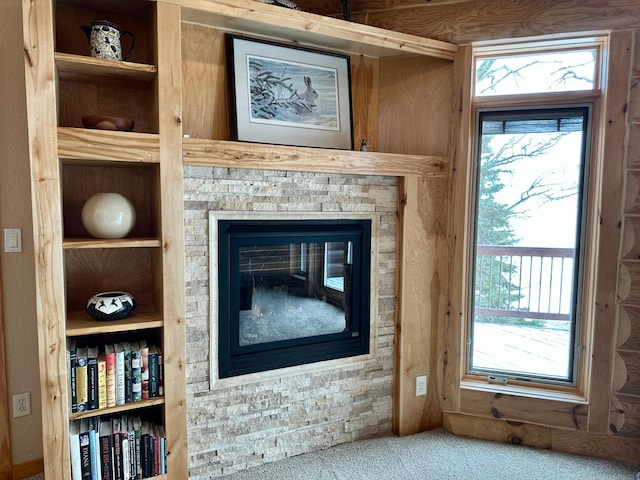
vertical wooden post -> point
(40, 80)
(169, 103)
(421, 286)
(604, 304)
(459, 214)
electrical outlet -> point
(21, 404)
(421, 385)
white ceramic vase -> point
(108, 215)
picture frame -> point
(289, 95)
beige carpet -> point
(438, 455)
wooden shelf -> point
(77, 243)
(83, 69)
(220, 153)
(80, 323)
(255, 18)
(83, 144)
(118, 409)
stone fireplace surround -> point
(245, 421)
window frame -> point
(579, 389)
(583, 193)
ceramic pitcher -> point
(104, 40)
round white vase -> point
(108, 215)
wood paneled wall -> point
(466, 21)
(608, 424)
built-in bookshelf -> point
(106, 377)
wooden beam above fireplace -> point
(221, 153)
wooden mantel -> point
(217, 153)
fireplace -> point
(289, 291)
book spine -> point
(85, 456)
(117, 456)
(144, 353)
(73, 399)
(145, 451)
(160, 374)
(156, 455)
(153, 375)
(102, 381)
(136, 376)
(120, 378)
(110, 360)
(126, 456)
(128, 377)
(138, 473)
(92, 383)
(82, 392)
(106, 457)
(163, 456)
(94, 448)
(76, 464)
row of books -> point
(114, 375)
(119, 448)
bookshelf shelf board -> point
(118, 409)
(80, 323)
(84, 69)
(89, 145)
(306, 28)
(78, 243)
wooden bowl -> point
(107, 122)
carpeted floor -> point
(437, 455)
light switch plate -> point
(12, 240)
(421, 385)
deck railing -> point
(524, 282)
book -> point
(136, 372)
(126, 454)
(160, 373)
(85, 455)
(82, 392)
(159, 442)
(119, 350)
(128, 376)
(94, 447)
(92, 378)
(153, 371)
(146, 455)
(163, 455)
(71, 374)
(137, 428)
(110, 360)
(118, 471)
(106, 450)
(102, 381)
(74, 448)
(144, 373)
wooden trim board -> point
(530, 435)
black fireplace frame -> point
(234, 359)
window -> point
(530, 212)
(559, 71)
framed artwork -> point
(289, 95)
